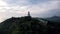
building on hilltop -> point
(28, 17)
(28, 13)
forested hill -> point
(23, 25)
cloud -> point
(44, 7)
(17, 2)
(38, 8)
(2, 3)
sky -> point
(37, 8)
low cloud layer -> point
(38, 8)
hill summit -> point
(22, 25)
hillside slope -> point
(22, 25)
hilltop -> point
(30, 25)
(23, 25)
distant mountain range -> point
(54, 18)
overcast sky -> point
(37, 8)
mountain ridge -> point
(54, 18)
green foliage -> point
(23, 25)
